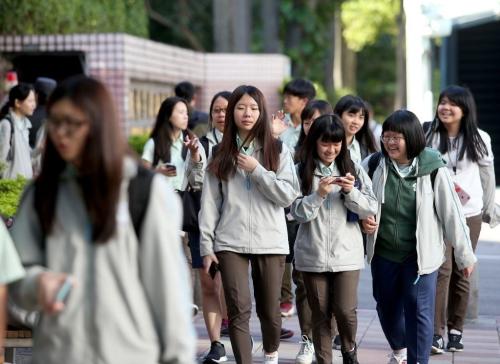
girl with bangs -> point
(330, 264)
(469, 159)
(355, 117)
(249, 180)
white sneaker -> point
(306, 352)
(271, 358)
(399, 358)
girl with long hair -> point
(249, 181)
(15, 150)
(74, 232)
(417, 205)
(467, 151)
(355, 116)
(330, 262)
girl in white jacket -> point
(329, 245)
(249, 180)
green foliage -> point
(137, 142)
(363, 21)
(10, 194)
(376, 79)
(74, 16)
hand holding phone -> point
(64, 290)
(214, 268)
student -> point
(11, 270)
(312, 110)
(467, 152)
(214, 307)
(198, 120)
(417, 205)
(74, 230)
(355, 117)
(329, 245)
(296, 94)
(249, 181)
(172, 150)
(15, 151)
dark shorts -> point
(194, 247)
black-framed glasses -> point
(71, 125)
(219, 111)
(389, 139)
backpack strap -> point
(205, 144)
(10, 155)
(139, 191)
(373, 163)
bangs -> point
(355, 108)
(456, 95)
(332, 135)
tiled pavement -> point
(481, 340)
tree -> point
(77, 16)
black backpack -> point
(139, 191)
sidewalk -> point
(481, 342)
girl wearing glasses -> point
(328, 261)
(214, 307)
(15, 150)
(467, 151)
(355, 116)
(405, 238)
(248, 182)
(106, 290)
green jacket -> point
(396, 239)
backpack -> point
(139, 190)
(374, 161)
(10, 155)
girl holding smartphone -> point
(329, 246)
(248, 182)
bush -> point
(137, 142)
(10, 194)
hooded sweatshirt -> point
(396, 239)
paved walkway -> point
(481, 341)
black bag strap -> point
(205, 144)
(139, 191)
(373, 163)
(10, 155)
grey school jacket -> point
(439, 214)
(132, 300)
(245, 214)
(326, 242)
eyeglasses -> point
(389, 139)
(219, 111)
(70, 125)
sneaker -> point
(285, 334)
(217, 353)
(350, 357)
(455, 341)
(224, 328)
(437, 345)
(336, 344)
(397, 358)
(195, 309)
(271, 358)
(287, 309)
(306, 352)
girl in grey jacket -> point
(329, 245)
(249, 180)
(129, 295)
(417, 205)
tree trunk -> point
(338, 80)
(270, 25)
(330, 61)
(400, 97)
(241, 21)
(221, 25)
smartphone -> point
(170, 166)
(64, 290)
(214, 267)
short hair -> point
(406, 123)
(43, 88)
(301, 88)
(185, 89)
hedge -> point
(10, 194)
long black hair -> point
(326, 128)
(223, 164)
(19, 92)
(163, 130)
(472, 141)
(100, 173)
(355, 104)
